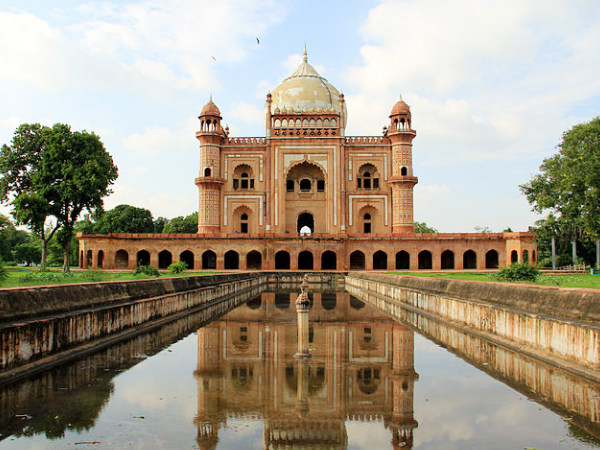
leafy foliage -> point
(180, 224)
(150, 271)
(422, 227)
(3, 273)
(178, 267)
(124, 219)
(52, 172)
(518, 272)
(568, 184)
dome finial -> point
(305, 56)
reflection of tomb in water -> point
(575, 398)
(362, 368)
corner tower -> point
(210, 181)
(402, 180)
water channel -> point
(372, 383)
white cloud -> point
(485, 80)
(130, 45)
(247, 112)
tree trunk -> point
(67, 257)
(574, 247)
(598, 254)
(553, 253)
(44, 253)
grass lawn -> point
(23, 276)
(583, 280)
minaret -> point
(402, 180)
(210, 181)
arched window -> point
(243, 177)
(367, 223)
(368, 177)
(404, 171)
(305, 185)
(207, 172)
(244, 223)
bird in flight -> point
(257, 41)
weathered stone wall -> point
(43, 300)
(31, 339)
(562, 323)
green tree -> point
(180, 224)
(568, 185)
(159, 224)
(422, 227)
(125, 219)
(6, 232)
(52, 172)
(28, 253)
(19, 184)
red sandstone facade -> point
(306, 197)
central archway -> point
(306, 220)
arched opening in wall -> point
(232, 260)
(328, 260)
(305, 185)
(491, 259)
(366, 219)
(100, 259)
(165, 259)
(367, 177)
(90, 256)
(368, 380)
(447, 260)
(209, 260)
(121, 259)
(306, 220)
(357, 260)
(142, 258)
(425, 260)
(81, 259)
(188, 258)
(402, 260)
(404, 171)
(356, 303)
(243, 177)
(282, 300)
(328, 300)
(380, 260)
(367, 223)
(526, 256)
(207, 172)
(254, 260)
(533, 259)
(469, 260)
(514, 257)
(244, 223)
(282, 260)
(254, 303)
(305, 260)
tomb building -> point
(307, 197)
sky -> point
(492, 85)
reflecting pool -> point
(371, 383)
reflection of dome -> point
(305, 91)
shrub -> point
(178, 267)
(518, 272)
(150, 271)
(3, 272)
